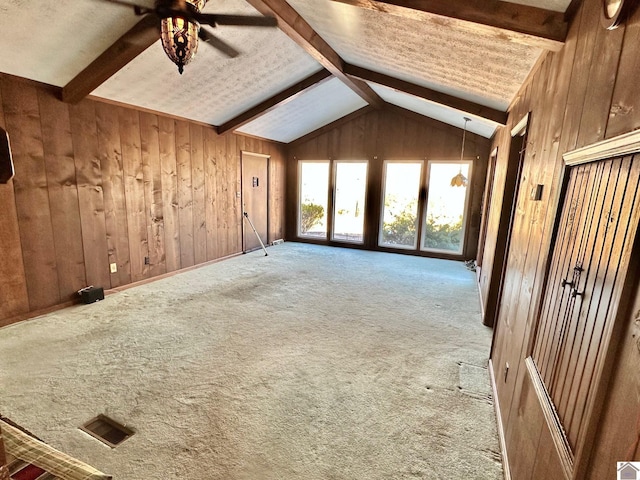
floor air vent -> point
(107, 430)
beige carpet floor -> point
(310, 363)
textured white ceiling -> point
(52, 41)
(477, 67)
(429, 109)
(306, 113)
(213, 88)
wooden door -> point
(588, 268)
(486, 209)
(495, 286)
(255, 195)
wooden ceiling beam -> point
(297, 28)
(532, 26)
(425, 93)
(277, 100)
(124, 50)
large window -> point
(445, 215)
(313, 202)
(350, 185)
(400, 204)
(423, 206)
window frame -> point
(383, 194)
(328, 205)
(465, 214)
(334, 192)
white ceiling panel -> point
(315, 108)
(435, 111)
(53, 41)
(473, 66)
(213, 88)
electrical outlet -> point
(113, 267)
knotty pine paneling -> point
(97, 184)
(14, 299)
(624, 114)
(115, 208)
(169, 179)
(185, 193)
(22, 119)
(211, 197)
(134, 193)
(198, 192)
(390, 134)
(152, 180)
(223, 202)
(63, 195)
(584, 93)
(86, 158)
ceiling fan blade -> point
(215, 42)
(241, 20)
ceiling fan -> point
(179, 23)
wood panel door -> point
(588, 269)
(255, 199)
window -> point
(313, 201)
(350, 185)
(400, 204)
(446, 209)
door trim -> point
(551, 418)
(263, 155)
(621, 145)
(501, 434)
(243, 227)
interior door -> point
(255, 200)
(588, 268)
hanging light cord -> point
(460, 180)
(464, 136)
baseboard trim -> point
(501, 438)
(5, 322)
(36, 313)
(122, 288)
(565, 456)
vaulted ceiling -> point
(444, 59)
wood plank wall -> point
(98, 183)
(584, 93)
(389, 134)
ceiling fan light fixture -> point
(179, 36)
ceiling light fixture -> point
(460, 180)
(180, 36)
